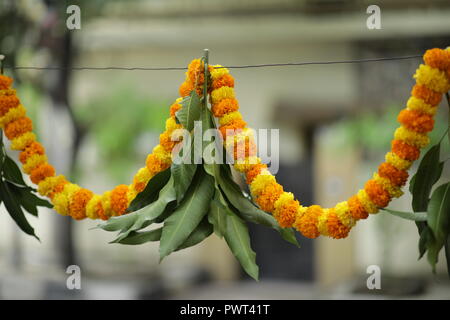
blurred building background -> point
(335, 124)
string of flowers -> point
(69, 198)
(432, 81)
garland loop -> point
(432, 81)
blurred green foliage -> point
(374, 130)
(118, 122)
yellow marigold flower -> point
(368, 205)
(171, 125)
(301, 211)
(432, 78)
(141, 179)
(106, 203)
(12, 114)
(226, 119)
(91, 211)
(261, 181)
(420, 105)
(247, 164)
(393, 190)
(61, 200)
(218, 71)
(322, 222)
(131, 194)
(222, 93)
(416, 139)
(344, 215)
(34, 161)
(20, 143)
(46, 186)
(162, 154)
(397, 162)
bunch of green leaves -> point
(15, 194)
(431, 205)
(192, 201)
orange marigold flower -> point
(100, 211)
(396, 176)
(196, 72)
(235, 125)
(335, 227)
(186, 88)
(58, 188)
(377, 194)
(269, 195)
(155, 165)
(427, 95)
(306, 224)
(77, 206)
(119, 200)
(32, 149)
(287, 214)
(5, 82)
(7, 103)
(437, 58)
(18, 127)
(165, 140)
(174, 108)
(225, 106)
(416, 121)
(405, 151)
(244, 149)
(255, 171)
(356, 208)
(41, 172)
(226, 80)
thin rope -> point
(265, 65)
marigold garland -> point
(432, 81)
(69, 198)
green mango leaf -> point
(426, 237)
(27, 199)
(14, 209)
(438, 221)
(238, 240)
(249, 212)
(190, 111)
(183, 173)
(411, 183)
(151, 191)
(182, 222)
(143, 217)
(415, 216)
(428, 173)
(447, 254)
(140, 237)
(203, 231)
(11, 172)
(217, 215)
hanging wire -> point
(264, 65)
